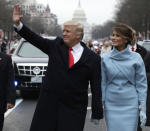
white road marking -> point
(89, 94)
(18, 101)
(88, 108)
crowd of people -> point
(8, 46)
(117, 70)
(100, 47)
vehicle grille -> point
(26, 69)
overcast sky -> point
(97, 11)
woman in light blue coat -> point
(124, 83)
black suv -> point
(30, 65)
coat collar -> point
(141, 50)
(63, 50)
(64, 55)
(83, 58)
(120, 55)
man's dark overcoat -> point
(7, 90)
(63, 101)
(146, 58)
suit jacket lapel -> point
(83, 57)
(63, 50)
(141, 51)
(2, 62)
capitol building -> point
(34, 9)
(79, 15)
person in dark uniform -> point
(7, 90)
(62, 105)
(145, 54)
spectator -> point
(145, 54)
(7, 90)
(106, 47)
(3, 45)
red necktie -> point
(71, 60)
(132, 49)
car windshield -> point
(28, 50)
(146, 45)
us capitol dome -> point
(79, 15)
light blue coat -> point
(124, 84)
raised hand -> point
(17, 15)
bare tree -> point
(5, 16)
(135, 13)
(101, 31)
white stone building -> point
(34, 9)
(80, 16)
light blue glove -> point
(142, 107)
(95, 121)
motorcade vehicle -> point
(30, 66)
(146, 44)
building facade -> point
(33, 9)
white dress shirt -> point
(77, 51)
(19, 27)
(135, 47)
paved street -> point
(20, 118)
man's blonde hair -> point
(78, 26)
